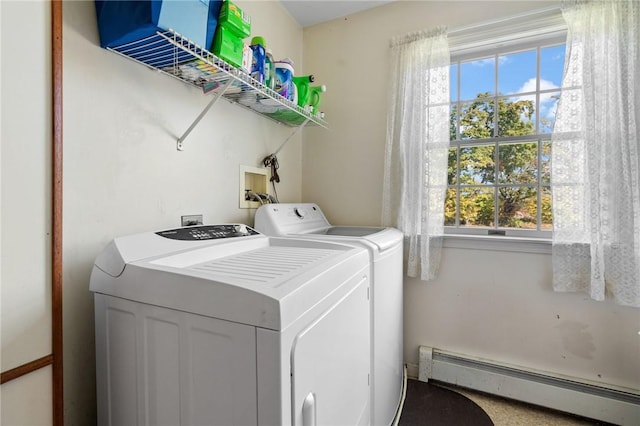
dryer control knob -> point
(298, 212)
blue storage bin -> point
(121, 21)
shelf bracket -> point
(295, 132)
(216, 96)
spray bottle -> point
(315, 96)
(302, 85)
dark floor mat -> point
(429, 404)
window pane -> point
(516, 116)
(503, 110)
(452, 168)
(453, 82)
(545, 163)
(545, 208)
(453, 122)
(476, 119)
(450, 208)
(517, 73)
(518, 163)
(518, 207)
(477, 165)
(552, 65)
(477, 207)
(548, 108)
(477, 77)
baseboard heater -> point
(560, 393)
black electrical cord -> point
(272, 161)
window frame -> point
(535, 30)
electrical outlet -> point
(191, 220)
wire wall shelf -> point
(178, 57)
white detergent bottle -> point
(284, 74)
(269, 71)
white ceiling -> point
(311, 12)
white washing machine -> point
(385, 249)
(220, 325)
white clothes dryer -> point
(220, 325)
(384, 244)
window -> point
(502, 115)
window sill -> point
(498, 243)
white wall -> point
(492, 304)
(25, 228)
(26, 401)
(122, 173)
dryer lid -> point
(257, 280)
(123, 250)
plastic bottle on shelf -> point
(269, 70)
(247, 55)
(258, 61)
(315, 96)
(302, 86)
(284, 75)
(294, 96)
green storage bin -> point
(235, 20)
(227, 46)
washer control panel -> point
(208, 232)
(289, 218)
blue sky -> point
(516, 71)
(517, 74)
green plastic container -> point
(227, 46)
(235, 20)
(315, 96)
(302, 85)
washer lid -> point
(298, 220)
(347, 231)
(380, 238)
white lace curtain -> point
(595, 160)
(417, 144)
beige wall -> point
(25, 226)
(122, 173)
(491, 304)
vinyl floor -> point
(506, 412)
